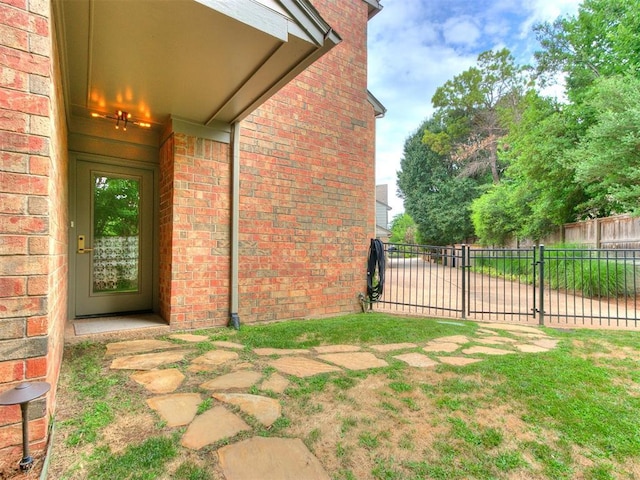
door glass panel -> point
(116, 234)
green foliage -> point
(400, 387)
(116, 206)
(582, 400)
(435, 195)
(86, 428)
(607, 159)
(145, 461)
(585, 272)
(601, 41)
(366, 328)
(368, 440)
(475, 108)
(555, 162)
(91, 387)
(493, 215)
(571, 269)
(190, 471)
(404, 229)
(538, 192)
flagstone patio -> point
(238, 388)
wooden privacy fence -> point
(619, 231)
(563, 287)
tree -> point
(474, 109)
(434, 194)
(116, 207)
(404, 229)
(607, 158)
(601, 41)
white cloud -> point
(460, 31)
(415, 46)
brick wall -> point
(307, 187)
(33, 221)
(194, 232)
(308, 184)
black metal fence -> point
(561, 287)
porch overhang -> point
(206, 62)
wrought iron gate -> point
(548, 286)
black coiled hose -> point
(375, 270)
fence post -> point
(463, 272)
(534, 278)
(541, 287)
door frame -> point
(107, 161)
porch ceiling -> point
(205, 61)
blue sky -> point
(415, 46)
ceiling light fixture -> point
(122, 119)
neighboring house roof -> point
(233, 56)
(382, 194)
(382, 217)
(383, 205)
(382, 232)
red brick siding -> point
(165, 225)
(195, 222)
(33, 215)
(308, 184)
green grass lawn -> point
(571, 412)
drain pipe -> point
(234, 320)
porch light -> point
(123, 119)
(23, 394)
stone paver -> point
(458, 361)
(416, 360)
(354, 360)
(159, 381)
(148, 361)
(390, 347)
(242, 366)
(275, 383)
(508, 327)
(226, 344)
(215, 357)
(189, 337)
(301, 366)
(266, 410)
(486, 351)
(280, 458)
(131, 347)
(548, 343)
(496, 340)
(263, 352)
(460, 339)
(336, 348)
(201, 367)
(530, 336)
(441, 347)
(260, 458)
(176, 409)
(235, 380)
(212, 426)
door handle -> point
(81, 248)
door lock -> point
(81, 248)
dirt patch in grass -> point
(128, 429)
